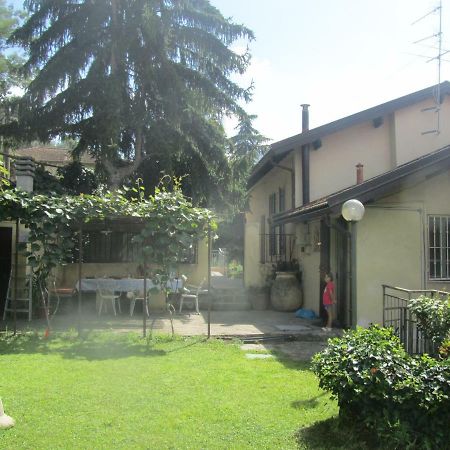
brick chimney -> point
(359, 173)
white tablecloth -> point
(123, 284)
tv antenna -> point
(440, 53)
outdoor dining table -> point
(129, 286)
(123, 284)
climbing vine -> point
(170, 223)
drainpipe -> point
(305, 156)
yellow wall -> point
(332, 166)
(398, 140)
(400, 223)
(411, 122)
(255, 273)
(389, 251)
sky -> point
(340, 56)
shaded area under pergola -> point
(129, 225)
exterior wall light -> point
(353, 211)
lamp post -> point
(353, 211)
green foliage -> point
(53, 221)
(45, 182)
(133, 80)
(172, 225)
(235, 270)
(402, 399)
(433, 317)
(245, 149)
(76, 179)
(10, 61)
(4, 176)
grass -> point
(118, 391)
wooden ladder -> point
(24, 300)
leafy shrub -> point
(433, 317)
(403, 400)
(444, 349)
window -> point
(262, 257)
(439, 247)
(109, 247)
(277, 238)
(272, 236)
(116, 247)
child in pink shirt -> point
(328, 300)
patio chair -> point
(191, 293)
(134, 298)
(58, 293)
(105, 295)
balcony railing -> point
(276, 247)
(396, 314)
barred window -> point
(439, 247)
(109, 247)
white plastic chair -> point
(191, 292)
(134, 298)
(105, 295)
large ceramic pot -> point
(286, 292)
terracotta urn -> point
(286, 292)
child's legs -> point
(329, 310)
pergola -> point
(126, 224)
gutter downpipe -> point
(305, 156)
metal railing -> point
(276, 247)
(396, 314)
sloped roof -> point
(281, 149)
(372, 189)
(52, 155)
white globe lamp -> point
(353, 210)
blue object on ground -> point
(305, 314)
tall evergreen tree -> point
(246, 148)
(134, 80)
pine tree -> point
(134, 81)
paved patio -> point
(223, 323)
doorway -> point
(324, 266)
(342, 273)
(5, 262)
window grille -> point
(439, 247)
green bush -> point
(400, 399)
(433, 317)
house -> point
(395, 159)
(52, 157)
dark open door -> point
(5, 263)
(324, 261)
(342, 274)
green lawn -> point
(112, 391)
